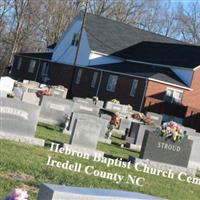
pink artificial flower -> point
(18, 194)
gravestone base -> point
(91, 152)
(131, 146)
(48, 121)
(23, 139)
(162, 166)
(129, 139)
(194, 165)
(119, 132)
(58, 192)
(104, 140)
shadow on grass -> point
(115, 157)
(117, 137)
(116, 144)
(49, 141)
(50, 127)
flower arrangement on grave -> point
(142, 118)
(172, 131)
(45, 92)
(130, 108)
(115, 101)
(148, 120)
(18, 194)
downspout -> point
(99, 85)
(144, 94)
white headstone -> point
(18, 120)
(6, 84)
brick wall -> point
(157, 90)
(192, 98)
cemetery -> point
(48, 141)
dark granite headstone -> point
(160, 149)
(135, 125)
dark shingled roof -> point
(146, 71)
(115, 38)
(109, 36)
(180, 55)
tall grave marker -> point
(18, 121)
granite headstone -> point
(194, 161)
(86, 108)
(85, 134)
(158, 148)
(18, 92)
(61, 192)
(54, 110)
(125, 124)
(6, 84)
(117, 107)
(31, 98)
(18, 120)
(3, 94)
(157, 118)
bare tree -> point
(189, 22)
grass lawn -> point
(25, 166)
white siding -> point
(184, 75)
(97, 59)
(64, 52)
